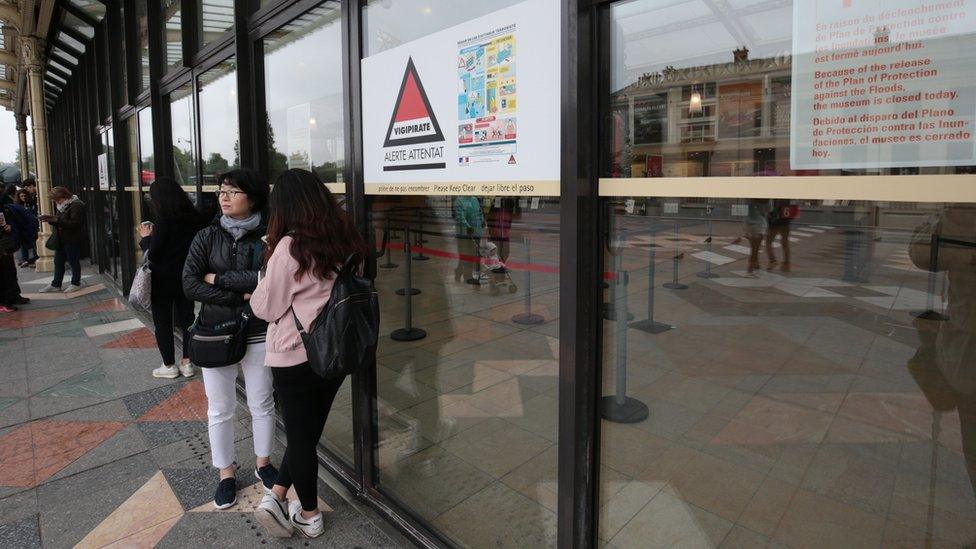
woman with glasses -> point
(221, 272)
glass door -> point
(788, 348)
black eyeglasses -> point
(228, 194)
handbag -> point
(221, 345)
(53, 242)
(344, 335)
(140, 293)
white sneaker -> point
(72, 288)
(310, 528)
(49, 289)
(168, 372)
(186, 370)
(273, 515)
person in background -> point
(779, 224)
(26, 199)
(28, 243)
(221, 272)
(755, 226)
(469, 222)
(167, 243)
(30, 186)
(309, 237)
(7, 192)
(68, 223)
(11, 229)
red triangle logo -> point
(413, 119)
(511, 159)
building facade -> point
(652, 272)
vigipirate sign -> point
(413, 123)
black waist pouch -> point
(221, 345)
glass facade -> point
(739, 316)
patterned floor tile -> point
(187, 404)
(23, 319)
(142, 338)
(93, 383)
(159, 433)
(107, 305)
(140, 403)
(22, 533)
(151, 505)
(34, 452)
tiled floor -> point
(783, 410)
(94, 452)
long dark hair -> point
(169, 201)
(323, 234)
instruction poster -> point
(468, 110)
(883, 84)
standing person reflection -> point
(952, 377)
(469, 221)
(754, 227)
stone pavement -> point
(95, 452)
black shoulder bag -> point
(343, 336)
(225, 343)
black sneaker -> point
(226, 495)
(267, 475)
(21, 300)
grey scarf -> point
(64, 206)
(240, 227)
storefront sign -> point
(883, 84)
(103, 182)
(470, 110)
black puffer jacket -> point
(236, 265)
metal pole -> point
(674, 284)
(408, 332)
(408, 289)
(707, 273)
(386, 245)
(650, 325)
(419, 238)
(930, 313)
(528, 317)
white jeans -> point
(220, 385)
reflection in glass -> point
(219, 135)
(132, 188)
(147, 157)
(172, 15)
(215, 18)
(303, 91)
(142, 26)
(777, 371)
(184, 146)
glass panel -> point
(59, 66)
(781, 365)
(67, 56)
(72, 22)
(133, 196)
(147, 155)
(71, 42)
(303, 90)
(142, 26)
(388, 24)
(111, 212)
(219, 136)
(93, 8)
(467, 415)
(184, 147)
(174, 34)
(216, 17)
(123, 71)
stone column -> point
(21, 120)
(32, 56)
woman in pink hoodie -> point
(309, 236)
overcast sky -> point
(8, 137)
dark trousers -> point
(305, 400)
(9, 288)
(28, 253)
(70, 253)
(167, 311)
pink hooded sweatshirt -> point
(277, 293)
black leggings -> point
(305, 400)
(165, 310)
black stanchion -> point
(609, 308)
(408, 332)
(408, 288)
(528, 317)
(930, 313)
(650, 325)
(620, 408)
(389, 264)
(707, 273)
(419, 238)
(674, 284)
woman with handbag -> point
(67, 239)
(166, 244)
(221, 272)
(309, 238)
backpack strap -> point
(298, 323)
